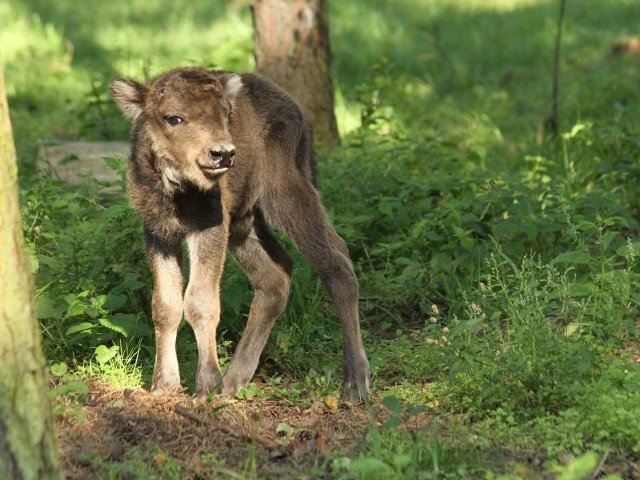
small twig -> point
(226, 429)
(597, 471)
(191, 415)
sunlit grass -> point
(460, 64)
(122, 370)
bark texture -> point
(292, 49)
(27, 440)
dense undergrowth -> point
(498, 267)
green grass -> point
(498, 267)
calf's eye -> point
(174, 120)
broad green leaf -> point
(577, 257)
(48, 308)
(572, 328)
(133, 283)
(582, 289)
(386, 207)
(79, 327)
(123, 323)
(629, 250)
(392, 403)
(607, 238)
(404, 261)
(58, 369)
(393, 422)
(579, 468)
(371, 467)
(103, 353)
(76, 308)
(114, 301)
(75, 386)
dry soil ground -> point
(116, 426)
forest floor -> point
(118, 429)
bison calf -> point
(217, 157)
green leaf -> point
(79, 327)
(103, 354)
(75, 308)
(577, 128)
(392, 423)
(370, 467)
(386, 207)
(284, 429)
(114, 162)
(579, 468)
(582, 289)
(404, 261)
(577, 257)
(249, 392)
(131, 282)
(392, 403)
(417, 409)
(123, 323)
(471, 323)
(114, 301)
(629, 250)
(48, 308)
(233, 297)
(58, 369)
(572, 328)
(611, 221)
(607, 238)
(75, 386)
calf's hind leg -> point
(303, 218)
(268, 267)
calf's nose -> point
(222, 156)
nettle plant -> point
(88, 260)
(536, 334)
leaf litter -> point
(125, 426)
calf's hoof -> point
(162, 387)
(206, 384)
(355, 384)
(232, 384)
(355, 392)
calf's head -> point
(184, 115)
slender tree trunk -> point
(27, 440)
(292, 49)
(552, 123)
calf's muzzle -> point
(219, 156)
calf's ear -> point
(232, 85)
(129, 96)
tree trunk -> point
(292, 49)
(552, 122)
(27, 440)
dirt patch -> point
(115, 422)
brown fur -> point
(216, 158)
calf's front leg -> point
(202, 302)
(166, 306)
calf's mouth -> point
(218, 160)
